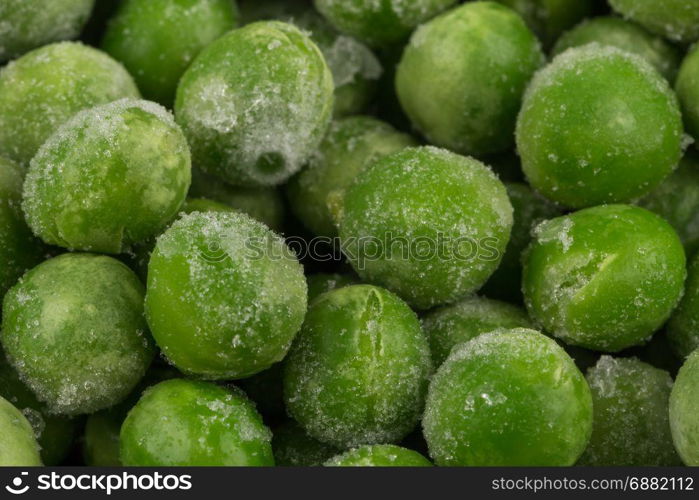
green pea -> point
(379, 455)
(380, 23)
(605, 278)
(677, 201)
(461, 78)
(598, 125)
(28, 24)
(18, 447)
(19, 249)
(630, 425)
(320, 283)
(349, 146)
(205, 425)
(428, 224)
(54, 433)
(683, 327)
(508, 398)
(626, 36)
(157, 39)
(686, 87)
(530, 208)
(73, 328)
(449, 326)
(112, 176)
(225, 295)
(550, 18)
(684, 411)
(44, 88)
(294, 448)
(255, 103)
(677, 20)
(358, 371)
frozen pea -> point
(44, 88)
(598, 125)
(550, 18)
(380, 23)
(19, 249)
(189, 423)
(677, 201)
(255, 103)
(630, 425)
(358, 371)
(28, 24)
(605, 278)
(111, 176)
(320, 283)
(530, 208)
(54, 433)
(684, 411)
(461, 78)
(677, 20)
(626, 36)
(157, 39)
(428, 224)
(225, 297)
(687, 87)
(449, 326)
(508, 398)
(294, 448)
(349, 146)
(379, 455)
(73, 328)
(18, 446)
(683, 327)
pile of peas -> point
(161, 161)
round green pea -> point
(19, 249)
(294, 448)
(426, 223)
(358, 371)
(379, 455)
(157, 39)
(630, 425)
(380, 23)
(626, 36)
(598, 125)
(462, 76)
(111, 176)
(188, 423)
(684, 411)
(320, 283)
(44, 88)
(18, 446)
(350, 145)
(677, 20)
(530, 208)
(73, 328)
(255, 103)
(683, 327)
(28, 24)
(449, 326)
(605, 278)
(225, 297)
(550, 18)
(508, 398)
(677, 201)
(687, 86)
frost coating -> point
(226, 296)
(379, 455)
(255, 103)
(605, 278)
(18, 447)
(358, 371)
(677, 20)
(112, 176)
(508, 398)
(44, 88)
(73, 328)
(188, 423)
